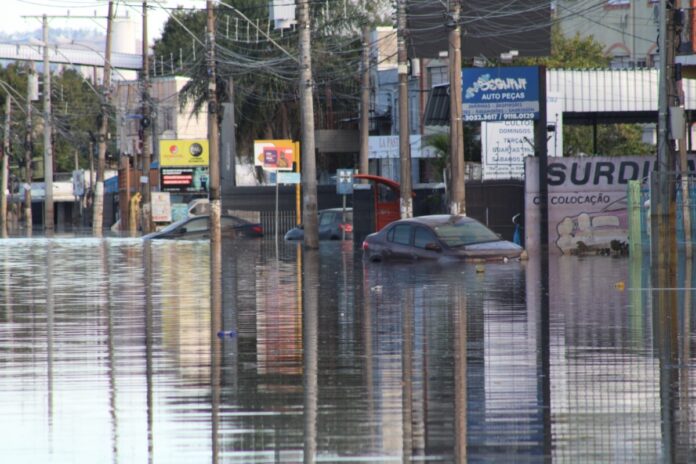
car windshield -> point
(464, 233)
(173, 226)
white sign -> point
(161, 207)
(285, 177)
(387, 146)
(505, 144)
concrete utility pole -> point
(309, 169)
(28, 154)
(146, 122)
(5, 156)
(457, 188)
(404, 132)
(364, 166)
(48, 152)
(213, 137)
(98, 205)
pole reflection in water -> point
(460, 369)
(672, 335)
(407, 376)
(310, 321)
(50, 324)
(215, 342)
(106, 307)
(149, 328)
(666, 324)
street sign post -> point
(344, 186)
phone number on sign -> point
(498, 117)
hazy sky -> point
(11, 12)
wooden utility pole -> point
(5, 156)
(309, 169)
(364, 167)
(48, 151)
(28, 154)
(404, 132)
(457, 188)
(145, 128)
(663, 196)
(213, 135)
(98, 205)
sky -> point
(12, 12)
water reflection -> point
(113, 351)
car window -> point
(422, 237)
(231, 221)
(197, 224)
(401, 234)
(327, 218)
(385, 193)
(465, 233)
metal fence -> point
(642, 212)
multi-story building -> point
(628, 29)
(169, 120)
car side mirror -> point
(432, 246)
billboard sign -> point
(275, 154)
(500, 94)
(184, 152)
(587, 200)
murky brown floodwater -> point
(109, 354)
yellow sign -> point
(275, 154)
(184, 152)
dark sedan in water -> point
(196, 228)
(437, 237)
(334, 224)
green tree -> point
(612, 139)
(76, 108)
(261, 62)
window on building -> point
(167, 115)
(621, 62)
(438, 75)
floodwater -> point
(109, 354)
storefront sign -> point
(184, 153)
(500, 94)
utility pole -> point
(213, 137)
(663, 202)
(28, 153)
(404, 132)
(48, 151)
(364, 166)
(98, 205)
(146, 122)
(309, 168)
(5, 156)
(457, 188)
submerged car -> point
(332, 226)
(197, 228)
(437, 237)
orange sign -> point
(274, 154)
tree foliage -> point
(611, 140)
(259, 64)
